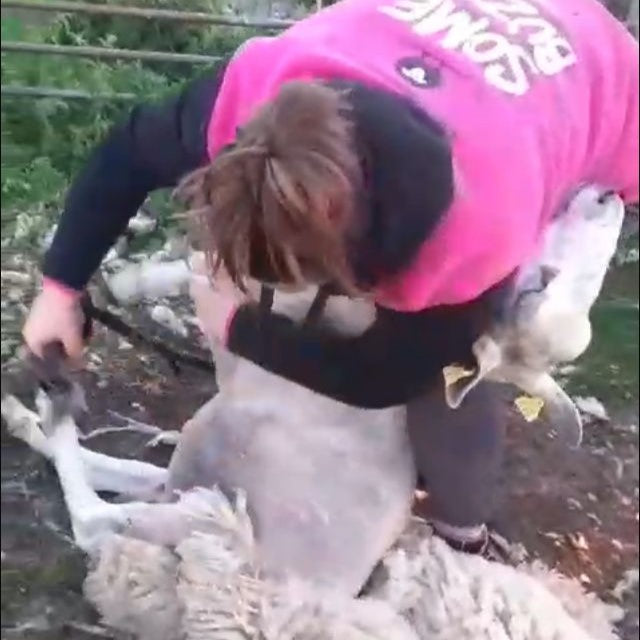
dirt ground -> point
(576, 510)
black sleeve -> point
(154, 148)
(396, 359)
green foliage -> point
(159, 35)
(609, 369)
(45, 141)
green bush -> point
(44, 141)
(159, 35)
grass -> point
(609, 369)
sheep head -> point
(546, 321)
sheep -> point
(288, 520)
(192, 569)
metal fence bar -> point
(145, 13)
(15, 91)
(104, 52)
(140, 12)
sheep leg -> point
(131, 478)
(81, 471)
(94, 520)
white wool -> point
(133, 586)
(166, 317)
(136, 282)
(595, 616)
(212, 589)
(224, 597)
(142, 223)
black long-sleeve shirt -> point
(396, 359)
(407, 166)
(152, 149)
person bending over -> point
(409, 151)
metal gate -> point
(107, 53)
(141, 13)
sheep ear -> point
(559, 408)
(488, 356)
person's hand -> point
(55, 316)
(216, 300)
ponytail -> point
(286, 190)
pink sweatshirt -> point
(538, 97)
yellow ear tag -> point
(453, 373)
(529, 407)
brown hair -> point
(285, 193)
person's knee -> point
(458, 454)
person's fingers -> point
(52, 319)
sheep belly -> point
(328, 487)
